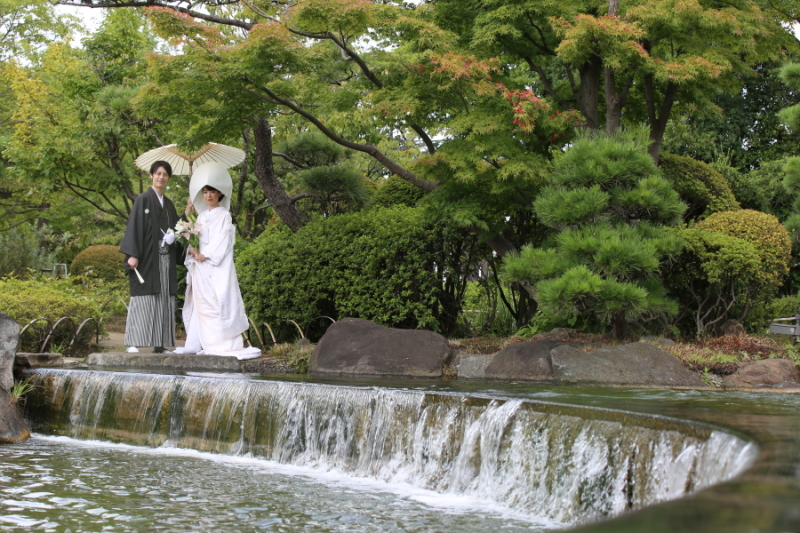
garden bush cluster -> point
(25, 300)
(101, 261)
(383, 265)
(700, 186)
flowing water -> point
(214, 454)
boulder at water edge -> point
(12, 426)
(637, 363)
(356, 346)
(528, 361)
(765, 373)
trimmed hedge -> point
(101, 261)
(379, 265)
(704, 190)
(762, 230)
(24, 300)
(397, 191)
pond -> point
(128, 451)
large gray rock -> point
(12, 425)
(9, 339)
(356, 346)
(765, 373)
(471, 365)
(524, 361)
(637, 363)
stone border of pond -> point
(361, 348)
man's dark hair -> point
(158, 164)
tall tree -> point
(609, 205)
(75, 128)
(632, 59)
(429, 113)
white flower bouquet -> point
(188, 232)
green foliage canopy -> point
(610, 206)
(385, 265)
(699, 185)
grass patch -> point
(723, 355)
(296, 355)
(19, 390)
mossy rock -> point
(101, 261)
(704, 190)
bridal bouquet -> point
(188, 232)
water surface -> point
(64, 485)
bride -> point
(213, 311)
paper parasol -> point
(216, 175)
(182, 164)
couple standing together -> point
(213, 312)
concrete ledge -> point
(38, 360)
(162, 361)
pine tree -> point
(609, 206)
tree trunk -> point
(588, 98)
(615, 101)
(235, 209)
(265, 173)
(658, 118)
(620, 326)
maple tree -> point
(630, 61)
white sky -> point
(90, 18)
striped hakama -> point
(151, 318)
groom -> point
(150, 259)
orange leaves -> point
(687, 69)
(178, 28)
(531, 112)
(527, 108)
(460, 66)
(617, 37)
(273, 31)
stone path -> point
(116, 343)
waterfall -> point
(565, 463)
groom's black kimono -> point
(145, 225)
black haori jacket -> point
(146, 221)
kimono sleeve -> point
(133, 242)
(221, 241)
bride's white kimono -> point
(213, 312)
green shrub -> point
(731, 263)
(25, 300)
(21, 251)
(748, 191)
(397, 191)
(763, 231)
(715, 277)
(384, 265)
(704, 190)
(101, 261)
(760, 317)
